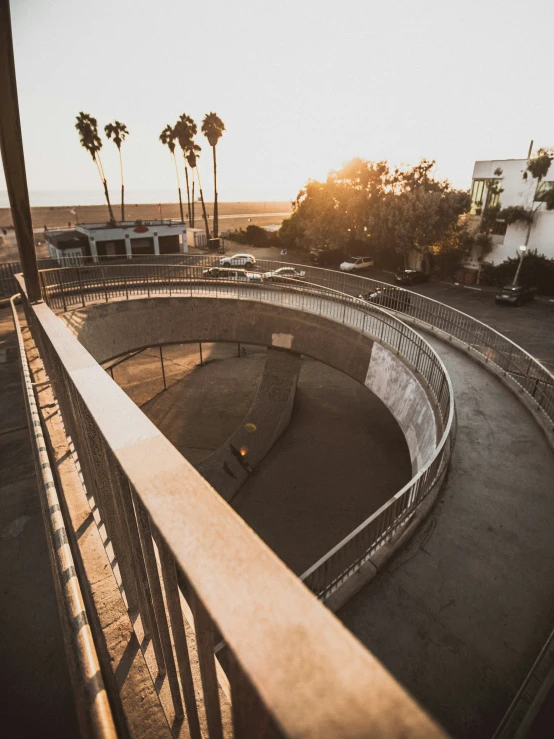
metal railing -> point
(482, 341)
(73, 287)
(93, 708)
(174, 537)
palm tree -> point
(90, 140)
(119, 132)
(192, 159)
(212, 128)
(184, 131)
(167, 138)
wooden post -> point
(11, 146)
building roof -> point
(67, 239)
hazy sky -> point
(301, 85)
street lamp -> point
(522, 250)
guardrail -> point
(93, 708)
(483, 341)
(71, 287)
(293, 668)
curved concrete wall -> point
(111, 329)
(228, 468)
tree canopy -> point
(377, 208)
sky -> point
(301, 85)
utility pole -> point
(11, 146)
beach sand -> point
(231, 215)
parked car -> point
(327, 257)
(515, 295)
(284, 273)
(238, 260)
(410, 277)
(388, 297)
(237, 275)
(356, 264)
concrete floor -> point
(341, 458)
(36, 699)
(461, 613)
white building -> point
(125, 238)
(507, 175)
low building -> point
(501, 182)
(125, 238)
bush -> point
(536, 270)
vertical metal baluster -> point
(163, 368)
(179, 636)
(206, 659)
(81, 286)
(158, 601)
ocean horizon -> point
(76, 198)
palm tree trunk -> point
(203, 206)
(98, 163)
(112, 219)
(122, 186)
(191, 218)
(216, 212)
(178, 188)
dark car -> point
(411, 277)
(388, 297)
(515, 295)
(327, 257)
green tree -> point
(87, 127)
(119, 132)
(167, 138)
(419, 211)
(212, 128)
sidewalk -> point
(36, 698)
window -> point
(486, 193)
(542, 191)
(477, 192)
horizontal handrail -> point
(292, 665)
(532, 377)
(93, 708)
(63, 288)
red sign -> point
(141, 229)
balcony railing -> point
(293, 669)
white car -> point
(237, 275)
(356, 264)
(285, 273)
(238, 260)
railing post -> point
(81, 286)
(163, 368)
(104, 284)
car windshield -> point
(511, 289)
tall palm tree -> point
(167, 138)
(192, 159)
(119, 132)
(184, 131)
(212, 128)
(87, 126)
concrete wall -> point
(228, 468)
(411, 407)
(111, 329)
